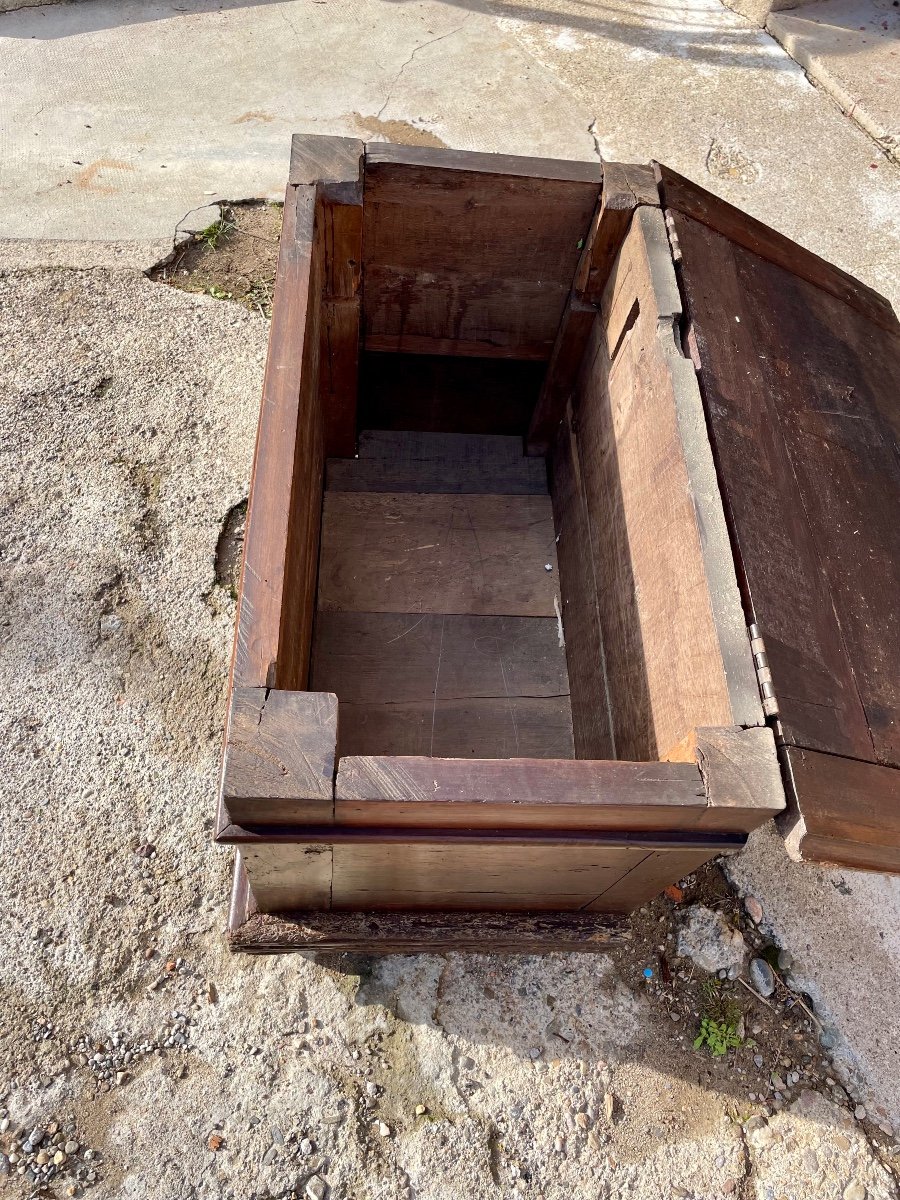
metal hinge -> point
(673, 237)
(763, 674)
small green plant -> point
(721, 1025)
(215, 233)
(217, 293)
(718, 1036)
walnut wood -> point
(277, 588)
(498, 726)
(463, 259)
(625, 187)
(405, 461)
(391, 657)
(733, 785)
(841, 810)
(740, 772)
(498, 793)
(534, 344)
(562, 373)
(322, 158)
(809, 466)
(280, 757)
(686, 197)
(662, 645)
(648, 878)
(588, 682)
(437, 553)
(512, 165)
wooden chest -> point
(572, 555)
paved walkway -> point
(123, 115)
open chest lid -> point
(799, 369)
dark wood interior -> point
(436, 622)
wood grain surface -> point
(810, 470)
(438, 553)
(663, 656)
(405, 461)
(463, 259)
(280, 757)
(278, 579)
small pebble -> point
(316, 1187)
(854, 1191)
(860, 1112)
(306, 1147)
(383, 1130)
(754, 909)
(214, 1142)
(421, 1110)
(758, 1059)
(762, 976)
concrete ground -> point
(849, 47)
(128, 413)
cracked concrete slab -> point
(849, 47)
(126, 431)
(123, 115)
(155, 111)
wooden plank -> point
(588, 683)
(809, 492)
(519, 345)
(562, 373)
(451, 554)
(280, 757)
(422, 310)
(686, 197)
(487, 451)
(321, 158)
(440, 393)
(537, 727)
(335, 166)
(625, 187)
(740, 773)
(513, 165)
(278, 579)
(487, 876)
(438, 462)
(841, 811)
(734, 787)
(250, 931)
(390, 657)
(644, 881)
(663, 652)
(466, 257)
(283, 876)
(518, 793)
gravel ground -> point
(149, 1061)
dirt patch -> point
(230, 549)
(401, 132)
(233, 259)
(775, 1055)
